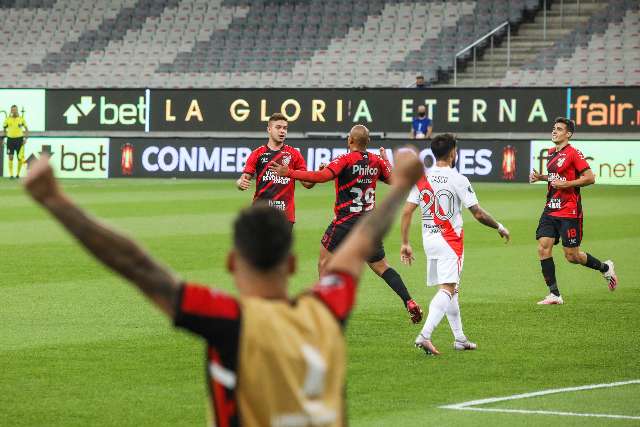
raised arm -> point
(351, 255)
(484, 217)
(111, 248)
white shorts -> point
(444, 270)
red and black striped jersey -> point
(565, 165)
(356, 175)
(272, 360)
(278, 191)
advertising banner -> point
(96, 110)
(605, 109)
(30, 103)
(382, 110)
(612, 162)
(70, 157)
(481, 160)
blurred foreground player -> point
(562, 215)
(277, 191)
(356, 175)
(271, 360)
(441, 196)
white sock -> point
(437, 309)
(454, 318)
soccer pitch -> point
(80, 347)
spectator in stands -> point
(420, 84)
(421, 126)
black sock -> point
(549, 274)
(595, 263)
(395, 282)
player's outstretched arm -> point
(406, 251)
(484, 217)
(116, 251)
(320, 176)
(352, 254)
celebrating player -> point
(271, 360)
(562, 215)
(276, 191)
(356, 175)
(16, 130)
(441, 196)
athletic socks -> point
(10, 167)
(19, 167)
(454, 318)
(437, 309)
(549, 274)
(595, 263)
(393, 279)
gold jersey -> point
(273, 362)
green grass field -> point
(79, 347)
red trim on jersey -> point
(349, 184)
(283, 191)
(346, 218)
(448, 233)
(225, 409)
(266, 167)
(325, 175)
(337, 291)
(203, 301)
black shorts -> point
(569, 229)
(14, 145)
(335, 234)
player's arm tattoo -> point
(483, 216)
(119, 253)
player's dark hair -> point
(14, 105)
(571, 125)
(277, 116)
(441, 145)
(262, 235)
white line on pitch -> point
(570, 414)
(470, 405)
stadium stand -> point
(602, 51)
(307, 43)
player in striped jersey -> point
(356, 175)
(276, 191)
(441, 196)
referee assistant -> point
(16, 131)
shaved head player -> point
(356, 175)
(271, 360)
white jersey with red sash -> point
(441, 196)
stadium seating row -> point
(265, 43)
